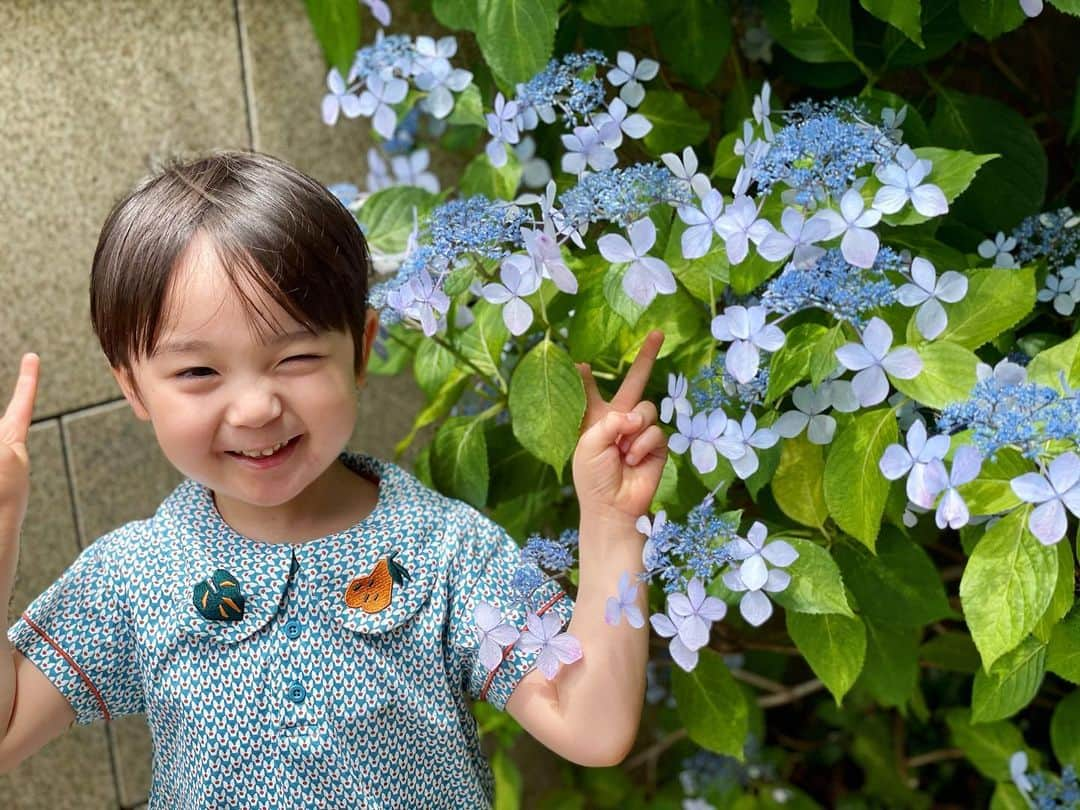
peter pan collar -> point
(404, 524)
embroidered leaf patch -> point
(219, 598)
(372, 592)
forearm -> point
(9, 553)
(601, 695)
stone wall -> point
(91, 93)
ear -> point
(131, 393)
(371, 329)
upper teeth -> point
(269, 451)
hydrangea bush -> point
(867, 520)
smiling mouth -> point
(277, 449)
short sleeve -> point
(78, 633)
(485, 569)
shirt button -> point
(297, 693)
(292, 628)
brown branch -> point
(931, 757)
(654, 751)
(790, 695)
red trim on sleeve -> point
(506, 651)
(78, 670)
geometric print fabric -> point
(304, 702)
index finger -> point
(633, 384)
(21, 407)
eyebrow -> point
(185, 346)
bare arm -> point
(32, 710)
(589, 713)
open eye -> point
(188, 373)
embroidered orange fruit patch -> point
(372, 592)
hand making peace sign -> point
(14, 458)
(618, 461)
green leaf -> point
(992, 491)
(594, 326)
(803, 12)
(790, 363)
(1007, 797)
(823, 358)
(482, 342)
(507, 781)
(1068, 6)
(337, 28)
(547, 401)
(387, 216)
(1064, 593)
(826, 37)
(891, 670)
(953, 171)
(834, 646)
(903, 15)
(1011, 684)
(468, 108)
(457, 15)
(675, 123)
(948, 374)
(899, 585)
(694, 36)
(516, 37)
(991, 18)
(797, 482)
(816, 585)
(1063, 725)
(432, 366)
(1007, 586)
(1063, 657)
(1046, 366)
(617, 13)
(953, 652)
(459, 462)
(481, 177)
(400, 350)
(1009, 189)
(711, 705)
(855, 489)
(996, 300)
(987, 746)
(444, 399)
(704, 277)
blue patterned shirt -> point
(302, 701)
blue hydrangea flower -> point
(493, 633)
(871, 358)
(859, 245)
(586, 150)
(699, 434)
(902, 182)
(675, 402)
(646, 276)
(376, 99)
(746, 329)
(999, 249)
(624, 602)
(622, 195)
(1054, 492)
(338, 100)
(952, 511)
(926, 291)
(810, 406)
(502, 126)
(629, 73)
(556, 648)
(739, 441)
(797, 238)
(898, 461)
(687, 622)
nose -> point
(254, 406)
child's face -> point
(237, 394)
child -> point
(298, 626)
